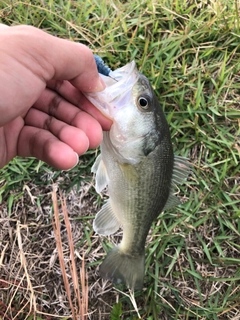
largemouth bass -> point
(138, 166)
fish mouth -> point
(118, 90)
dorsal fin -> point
(181, 170)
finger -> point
(54, 58)
(39, 143)
(83, 132)
(35, 58)
(53, 104)
(3, 26)
(73, 95)
(9, 139)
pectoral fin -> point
(105, 222)
(101, 174)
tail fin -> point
(119, 267)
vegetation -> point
(190, 51)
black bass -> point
(138, 166)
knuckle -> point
(54, 104)
(58, 85)
(34, 143)
(48, 122)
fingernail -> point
(77, 159)
(101, 85)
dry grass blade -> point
(2, 253)
(56, 228)
(79, 307)
(132, 299)
(32, 300)
(84, 283)
(73, 268)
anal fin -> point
(105, 222)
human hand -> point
(43, 111)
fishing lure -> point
(101, 66)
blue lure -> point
(101, 66)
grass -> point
(190, 51)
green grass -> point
(190, 51)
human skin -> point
(43, 112)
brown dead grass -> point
(79, 302)
(43, 270)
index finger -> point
(50, 57)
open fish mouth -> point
(118, 89)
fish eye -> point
(144, 102)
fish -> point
(138, 167)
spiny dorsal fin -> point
(101, 174)
(172, 201)
(105, 222)
(181, 170)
